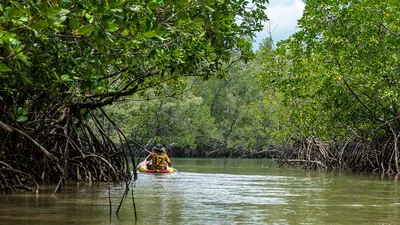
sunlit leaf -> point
(21, 119)
(56, 10)
(66, 77)
(150, 34)
(4, 68)
(85, 29)
(209, 8)
(112, 27)
(152, 4)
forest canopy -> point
(61, 60)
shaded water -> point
(217, 191)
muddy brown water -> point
(217, 191)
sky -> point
(283, 15)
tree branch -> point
(10, 129)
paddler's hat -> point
(158, 148)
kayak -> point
(143, 168)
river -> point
(216, 191)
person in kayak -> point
(158, 158)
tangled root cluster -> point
(373, 156)
(57, 145)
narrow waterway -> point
(217, 191)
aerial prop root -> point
(357, 155)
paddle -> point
(175, 169)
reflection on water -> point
(217, 191)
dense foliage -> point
(61, 59)
(220, 117)
(336, 80)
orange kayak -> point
(143, 168)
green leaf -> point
(85, 29)
(23, 19)
(20, 111)
(14, 41)
(58, 21)
(150, 34)
(21, 119)
(115, 3)
(66, 78)
(4, 68)
(13, 12)
(112, 27)
(56, 10)
(209, 8)
(39, 25)
(73, 23)
(19, 6)
(152, 5)
(183, 3)
(24, 58)
(26, 79)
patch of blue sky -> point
(283, 16)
